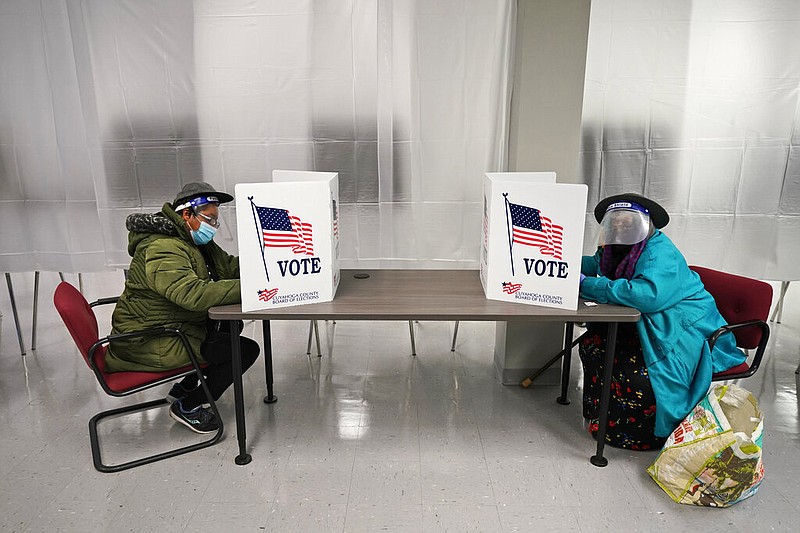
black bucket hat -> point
(198, 189)
(658, 215)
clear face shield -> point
(624, 223)
(203, 208)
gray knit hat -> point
(199, 193)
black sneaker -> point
(177, 392)
(199, 419)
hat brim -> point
(223, 197)
(658, 214)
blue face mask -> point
(204, 233)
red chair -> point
(81, 322)
(744, 304)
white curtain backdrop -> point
(696, 104)
(108, 106)
(47, 196)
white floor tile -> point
(320, 481)
(464, 518)
(305, 516)
(385, 481)
(385, 442)
(385, 517)
(520, 517)
(228, 516)
(528, 481)
(456, 482)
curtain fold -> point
(47, 195)
(108, 106)
(399, 98)
(699, 108)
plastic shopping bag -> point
(713, 458)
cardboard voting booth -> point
(532, 239)
(288, 234)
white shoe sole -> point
(180, 420)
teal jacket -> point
(678, 316)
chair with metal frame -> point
(744, 304)
(81, 322)
(313, 332)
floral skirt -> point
(632, 411)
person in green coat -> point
(662, 365)
(177, 273)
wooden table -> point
(421, 295)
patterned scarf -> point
(619, 260)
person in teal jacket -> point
(663, 364)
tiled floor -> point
(367, 438)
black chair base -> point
(95, 441)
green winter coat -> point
(168, 284)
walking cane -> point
(527, 381)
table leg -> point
(605, 396)
(270, 397)
(238, 397)
(568, 330)
(14, 312)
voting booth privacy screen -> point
(532, 239)
(288, 233)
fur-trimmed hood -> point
(148, 226)
(151, 223)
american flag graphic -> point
(511, 288)
(280, 229)
(531, 228)
(335, 220)
(485, 224)
(266, 295)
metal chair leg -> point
(455, 336)
(36, 306)
(14, 312)
(35, 309)
(779, 306)
(413, 342)
(313, 328)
